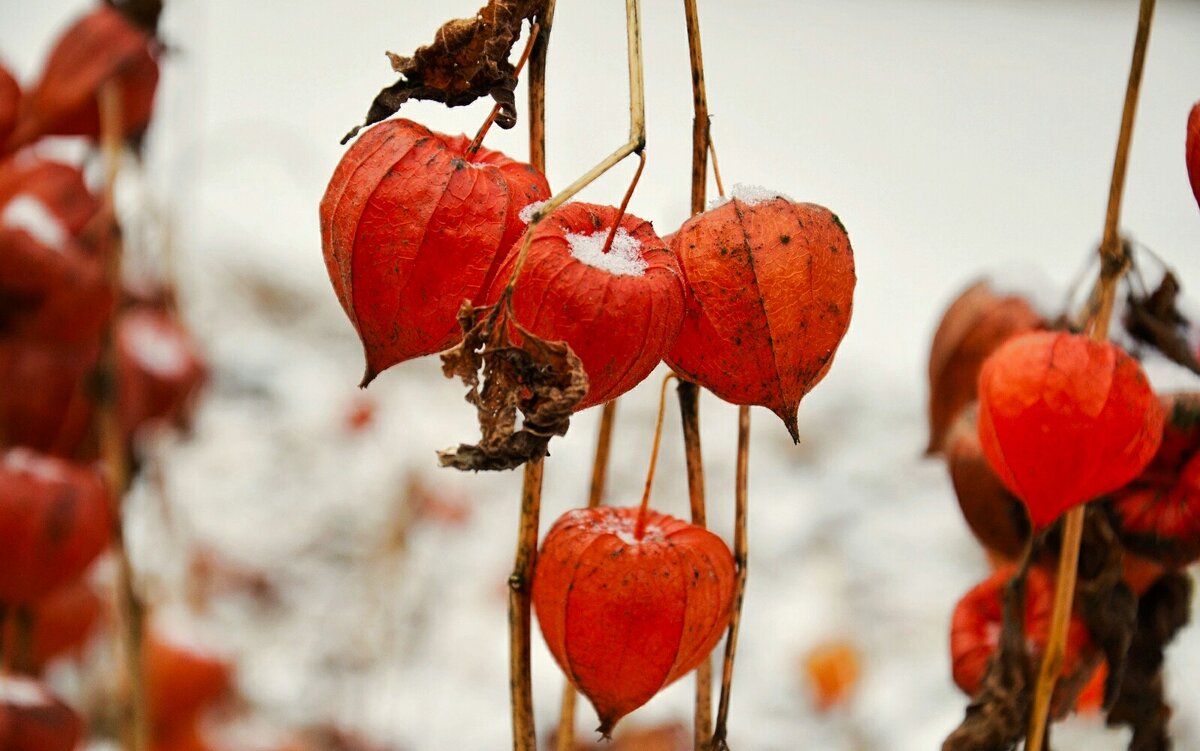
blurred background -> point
(302, 528)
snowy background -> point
(952, 138)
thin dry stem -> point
(740, 558)
(565, 738)
(1113, 264)
(477, 141)
(712, 151)
(637, 139)
(689, 393)
(112, 442)
(637, 175)
(640, 528)
(520, 620)
(537, 90)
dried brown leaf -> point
(1155, 319)
(540, 379)
(1105, 602)
(1163, 610)
(996, 718)
(468, 59)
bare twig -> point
(637, 175)
(537, 89)
(640, 528)
(1114, 261)
(477, 141)
(565, 738)
(520, 585)
(112, 442)
(740, 557)
(689, 393)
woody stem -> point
(637, 175)
(520, 594)
(477, 141)
(537, 89)
(1113, 264)
(689, 393)
(740, 558)
(112, 440)
(640, 529)
(565, 738)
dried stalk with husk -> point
(1113, 263)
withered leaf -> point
(468, 59)
(143, 13)
(1106, 603)
(1155, 320)
(1162, 611)
(997, 717)
(542, 380)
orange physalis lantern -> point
(976, 323)
(770, 288)
(33, 719)
(1192, 150)
(619, 310)
(1064, 419)
(411, 226)
(625, 616)
(978, 619)
(54, 519)
(100, 47)
(10, 101)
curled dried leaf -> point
(1163, 610)
(1155, 320)
(542, 380)
(468, 59)
(996, 718)
(1106, 603)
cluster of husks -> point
(1041, 421)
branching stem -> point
(640, 529)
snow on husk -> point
(950, 138)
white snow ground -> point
(951, 137)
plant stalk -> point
(477, 141)
(130, 608)
(565, 737)
(520, 620)
(537, 89)
(640, 529)
(1114, 261)
(740, 559)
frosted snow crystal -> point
(751, 195)
(157, 349)
(22, 692)
(28, 213)
(526, 214)
(624, 258)
(24, 461)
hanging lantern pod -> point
(411, 226)
(1064, 419)
(770, 287)
(619, 310)
(625, 616)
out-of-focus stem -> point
(740, 558)
(1113, 264)
(520, 595)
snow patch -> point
(26, 461)
(624, 258)
(22, 692)
(751, 195)
(158, 349)
(25, 212)
(526, 214)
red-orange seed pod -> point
(44, 404)
(770, 289)
(181, 681)
(618, 311)
(100, 47)
(160, 369)
(1064, 419)
(33, 719)
(54, 520)
(978, 619)
(63, 620)
(976, 323)
(623, 616)
(411, 226)
(59, 189)
(1192, 150)
(10, 102)
(1157, 515)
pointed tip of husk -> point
(369, 374)
(606, 728)
(790, 421)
